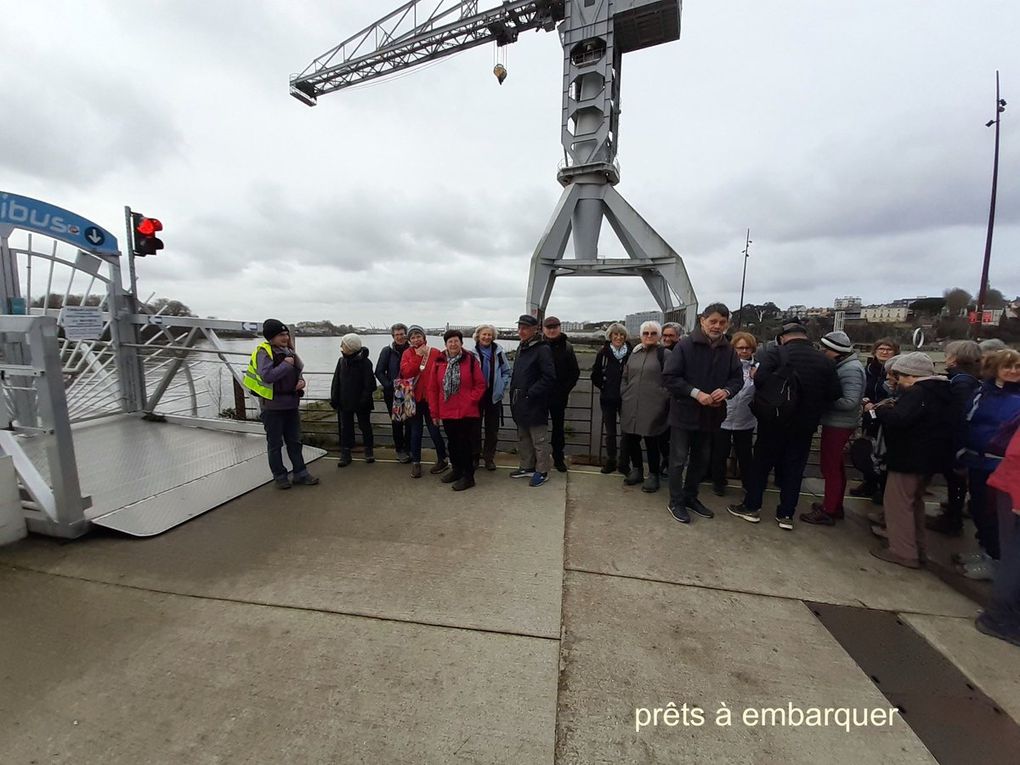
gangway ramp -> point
(146, 476)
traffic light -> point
(143, 235)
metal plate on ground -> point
(955, 720)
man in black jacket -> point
(531, 386)
(387, 372)
(785, 445)
(567, 372)
(701, 372)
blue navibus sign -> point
(49, 220)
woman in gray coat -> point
(839, 423)
(645, 409)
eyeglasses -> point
(742, 348)
(649, 334)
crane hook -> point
(500, 71)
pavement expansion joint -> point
(284, 606)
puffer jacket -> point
(990, 410)
(738, 408)
(464, 403)
(353, 383)
(531, 384)
(918, 427)
(607, 373)
(845, 411)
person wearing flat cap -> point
(918, 426)
(532, 384)
(839, 422)
(274, 377)
(567, 373)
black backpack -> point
(775, 402)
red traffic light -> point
(148, 226)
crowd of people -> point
(675, 409)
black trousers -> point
(741, 441)
(610, 414)
(460, 436)
(632, 448)
(283, 426)
(787, 452)
(345, 424)
(399, 428)
(487, 428)
(557, 413)
(693, 449)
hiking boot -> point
(863, 489)
(345, 458)
(634, 477)
(885, 554)
(740, 511)
(560, 465)
(679, 512)
(465, 482)
(439, 467)
(416, 470)
(981, 570)
(282, 483)
(521, 473)
(490, 465)
(700, 508)
(944, 524)
(306, 479)
(994, 628)
(609, 467)
(451, 477)
(537, 479)
(818, 517)
(651, 484)
(785, 523)
(403, 457)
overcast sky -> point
(849, 137)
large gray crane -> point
(595, 34)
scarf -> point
(451, 380)
(485, 354)
(620, 352)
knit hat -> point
(272, 327)
(838, 342)
(915, 364)
(415, 328)
(350, 343)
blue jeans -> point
(1004, 608)
(785, 452)
(283, 426)
(424, 417)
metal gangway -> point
(107, 409)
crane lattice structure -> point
(595, 34)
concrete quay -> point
(379, 619)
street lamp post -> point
(743, 280)
(1000, 107)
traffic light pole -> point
(123, 332)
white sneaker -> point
(983, 570)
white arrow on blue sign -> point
(50, 220)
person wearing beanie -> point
(351, 396)
(387, 372)
(274, 377)
(918, 426)
(839, 422)
(418, 364)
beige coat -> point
(645, 410)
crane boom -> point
(401, 40)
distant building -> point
(849, 304)
(572, 326)
(795, 311)
(886, 314)
(634, 321)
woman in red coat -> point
(418, 363)
(455, 394)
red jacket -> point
(410, 363)
(465, 402)
(1006, 477)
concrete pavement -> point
(379, 619)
